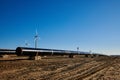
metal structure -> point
(78, 50)
(7, 51)
(32, 52)
(26, 43)
(41, 51)
(36, 37)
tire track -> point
(70, 70)
(92, 71)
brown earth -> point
(61, 68)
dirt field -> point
(61, 68)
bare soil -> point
(61, 68)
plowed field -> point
(62, 68)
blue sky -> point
(61, 24)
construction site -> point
(57, 65)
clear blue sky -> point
(61, 24)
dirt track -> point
(62, 68)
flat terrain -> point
(62, 68)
